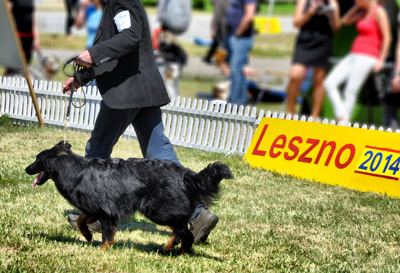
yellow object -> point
(270, 25)
(361, 159)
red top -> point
(155, 38)
(369, 39)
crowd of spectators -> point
(232, 33)
(368, 54)
(317, 21)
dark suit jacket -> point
(124, 63)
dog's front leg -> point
(187, 241)
(108, 228)
(173, 241)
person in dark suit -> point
(123, 64)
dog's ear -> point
(62, 148)
(63, 145)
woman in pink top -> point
(367, 54)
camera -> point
(325, 9)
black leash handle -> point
(72, 90)
(76, 79)
(74, 59)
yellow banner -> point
(271, 25)
(355, 158)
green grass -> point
(268, 222)
(60, 41)
(265, 45)
(273, 46)
(284, 8)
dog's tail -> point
(204, 186)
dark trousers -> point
(112, 123)
(72, 9)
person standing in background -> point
(72, 9)
(318, 20)
(89, 15)
(392, 99)
(240, 15)
(368, 54)
(24, 16)
(218, 27)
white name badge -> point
(122, 20)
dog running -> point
(110, 190)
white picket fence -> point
(189, 123)
(199, 124)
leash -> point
(76, 79)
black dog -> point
(113, 189)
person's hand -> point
(315, 5)
(212, 32)
(36, 43)
(395, 84)
(85, 56)
(330, 10)
(67, 85)
(378, 66)
(85, 4)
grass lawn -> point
(265, 46)
(60, 41)
(283, 8)
(268, 222)
(273, 45)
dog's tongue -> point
(37, 179)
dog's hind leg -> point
(187, 241)
(108, 228)
(173, 241)
(82, 222)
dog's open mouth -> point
(40, 179)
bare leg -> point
(319, 92)
(297, 74)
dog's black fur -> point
(113, 189)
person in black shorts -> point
(72, 7)
(317, 20)
(23, 12)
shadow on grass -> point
(120, 245)
(127, 225)
(131, 225)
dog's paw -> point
(107, 245)
(166, 250)
(88, 235)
